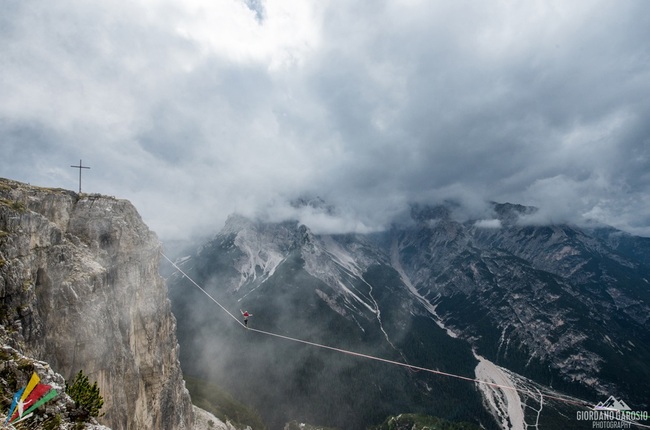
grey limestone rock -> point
(80, 290)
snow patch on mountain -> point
(261, 256)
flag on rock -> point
(32, 396)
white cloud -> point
(196, 109)
(488, 223)
(287, 34)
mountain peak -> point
(316, 203)
(538, 301)
(509, 213)
(422, 212)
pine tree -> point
(86, 397)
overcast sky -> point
(194, 109)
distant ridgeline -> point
(531, 306)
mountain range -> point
(551, 312)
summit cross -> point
(80, 166)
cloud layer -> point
(195, 109)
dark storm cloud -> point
(542, 115)
(196, 109)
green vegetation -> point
(5, 355)
(18, 206)
(222, 405)
(422, 422)
(52, 423)
(13, 204)
(86, 397)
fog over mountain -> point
(197, 109)
(549, 310)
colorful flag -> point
(13, 404)
(46, 398)
(33, 381)
(31, 399)
(31, 396)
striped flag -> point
(31, 396)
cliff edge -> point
(80, 290)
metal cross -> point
(80, 166)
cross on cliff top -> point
(80, 166)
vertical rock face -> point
(80, 289)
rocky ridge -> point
(80, 290)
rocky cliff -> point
(80, 290)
